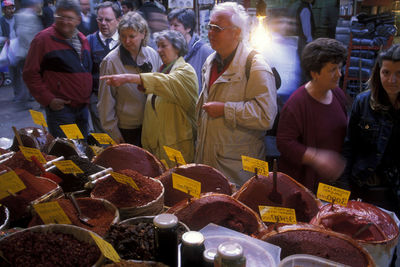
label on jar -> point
(174, 155)
(186, 185)
(38, 118)
(103, 138)
(67, 166)
(333, 194)
(51, 212)
(10, 183)
(71, 131)
(255, 165)
(30, 152)
(106, 248)
(277, 214)
(124, 179)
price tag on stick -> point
(174, 155)
(72, 131)
(255, 165)
(28, 152)
(103, 138)
(10, 183)
(186, 185)
(38, 117)
(51, 212)
(277, 214)
(106, 248)
(67, 166)
(124, 179)
(333, 194)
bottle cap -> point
(230, 250)
(165, 220)
(192, 238)
(209, 254)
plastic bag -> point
(7, 54)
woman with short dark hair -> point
(312, 124)
(372, 144)
(171, 99)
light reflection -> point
(260, 36)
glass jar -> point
(166, 239)
(192, 249)
(209, 256)
(230, 254)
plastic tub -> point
(304, 260)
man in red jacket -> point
(58, 70)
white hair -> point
(239, 16)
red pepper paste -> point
(18, 161)
(35, 188)
(123, 195)
(100, 217)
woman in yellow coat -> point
(171, 99)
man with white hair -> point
(235, 109)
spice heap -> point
(100, 217)
(136, 241)
(18, 161)
(29, 248)
(35, 188)
(124, 195)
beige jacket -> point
(250, 110)
(123, 106)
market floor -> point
(13, 114)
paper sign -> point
(277, 214)
(186, 185)
(10, 183)
(38, 117)
(251, 164)
(51, 212)
(333, 194)
(71, 131)
(164, 162)
(123, 179)
(29, 152)
(67, 166)
(174, 155)
(103, 138)
(106, 248)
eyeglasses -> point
(216, 28)
(66, 19)
(100, 20)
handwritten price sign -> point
(71, 131)
(51, 212)
(333, 194)
(255, 165)
(67, 166)
(103, 138)
(186, 185)
(174, 155)
(106, 248)
(124, 179)
(28, 152)
(38, 117)
(277, 214)
(10, 183)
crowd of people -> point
(146, 78)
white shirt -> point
(113, 43)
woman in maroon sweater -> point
(312, 125)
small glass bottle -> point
(230, 254)
(209, 256)
(192, 249)
(166, 239)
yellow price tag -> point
(38, 117)
(103, 138)
(29, 152)
(51, 212)
(186, 185)
(277, 214)
(10, 183)
(123, 179)
(251, 164)
(174, 155)
(164, 162)
(72, 131)
(106, 248)
(67, 166)
(333, 194)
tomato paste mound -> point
(124, 195)
(18, 161)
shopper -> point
(121, 107)
(88, 23)
(171, 99)
(234, 111)
(372, 144)
(58, 70)
(312, 123)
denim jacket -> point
(367, 137)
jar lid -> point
(165, 220)
(192, 238)
(209, 254)
(230, 250)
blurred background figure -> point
(184, 21)
(155, 15)
(127, 6)
(88, 23)
(48, 10)
(101, 43)
(121, 107)
(312, 123)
